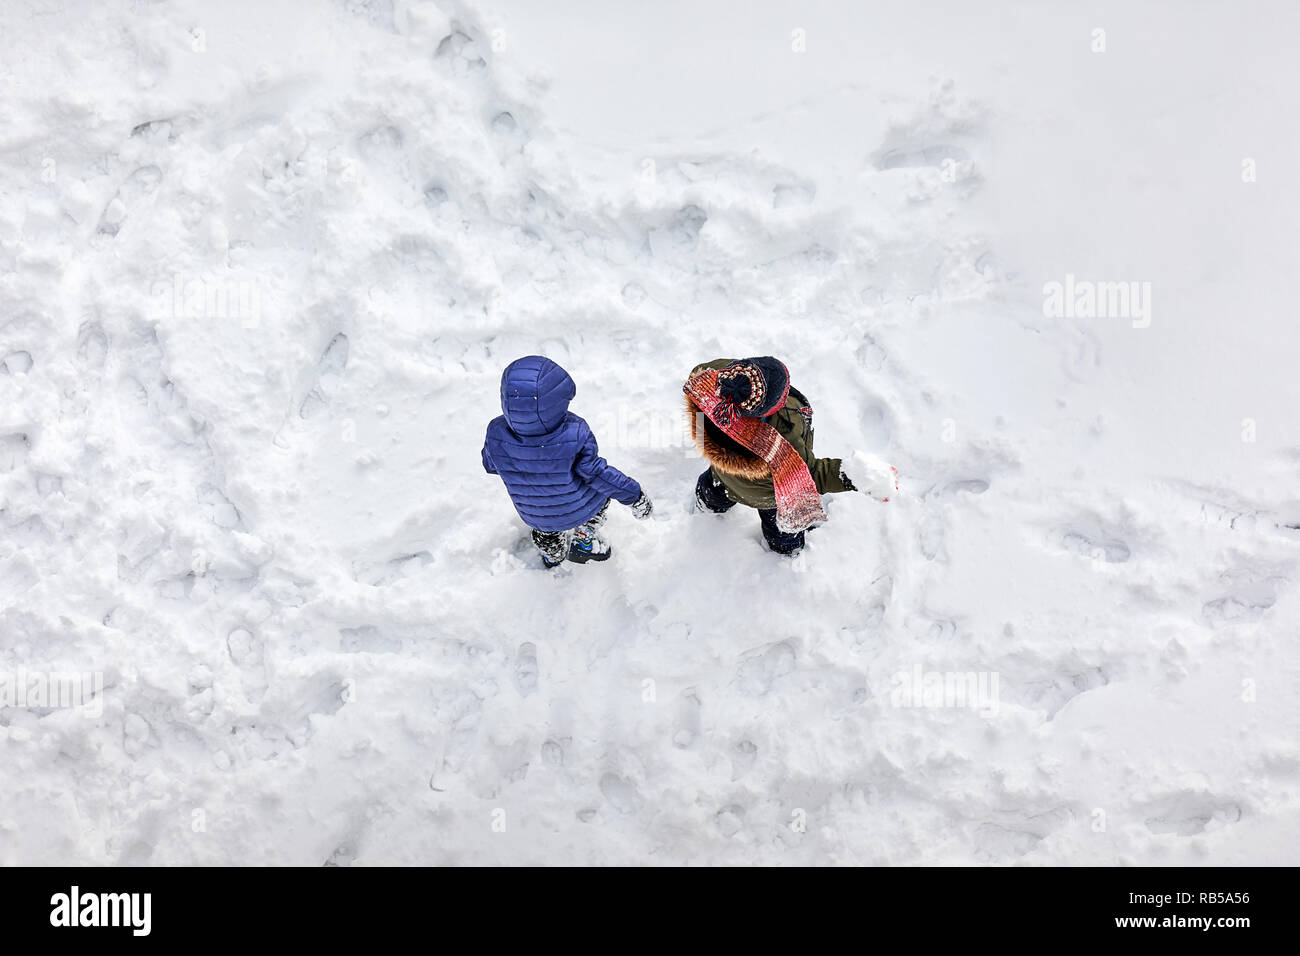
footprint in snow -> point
(1052, 695)
(139, 184)
(1095, 545)
(915, 157)
(621, 793)
(633, 295)
(510, 135)
(379, 142)
(201, 701)
(92, 345)
(247, 651)
(16, 363)
(324, 696)
(136, 734)
(730, 819)
(343, 855)
(1188, 813)
(526, 669)
(1081, 360)
(785, 195)
(160, 128)
(329, 374)
(435, 194)
(14, 451)
(393, 570)
(929, 537)
(951, 489)
(686, 725)
(368, 639)
(743, 757)
(681, 235)
(1248, 604)
(876, 421)
(452, 44)
(762, 667)
(244, 647)
(871, 621)
(870, 355)
(461, 51)
(942, 629)
(553, 753)
(219, 508)
(996, 842)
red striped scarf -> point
(798, 505)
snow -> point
(261, 266)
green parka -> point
(747, 478)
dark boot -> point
(711, 494)
(588, 545)
(779, 541)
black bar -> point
(335, 906)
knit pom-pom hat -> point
(752, 388)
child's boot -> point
(588, 546)
(553, 545)
(711, 494)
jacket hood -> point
(535, 395)
(728, 456)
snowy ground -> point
(261, 265)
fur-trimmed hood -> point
(721, 451)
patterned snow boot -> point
(588, 546)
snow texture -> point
(261, 266)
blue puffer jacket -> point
(545, 454)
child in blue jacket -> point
(548, 459)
